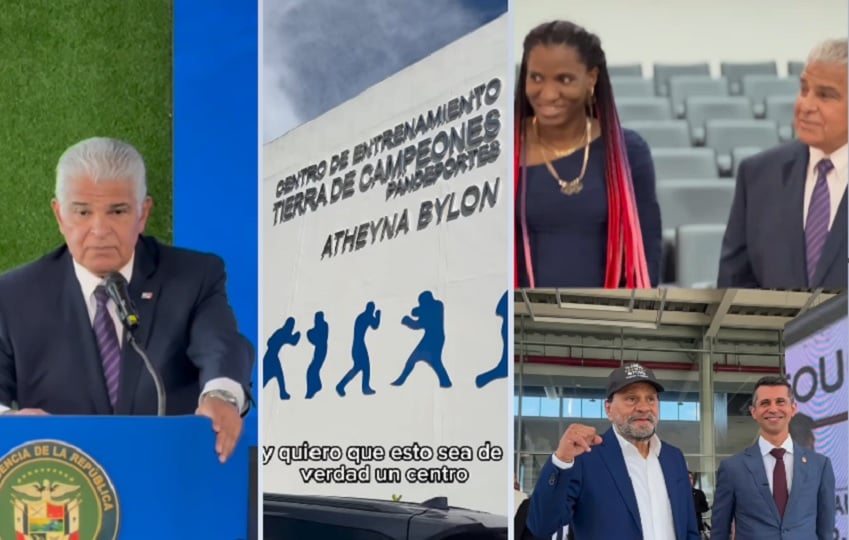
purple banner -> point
(818, 370)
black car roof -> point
(436, 508)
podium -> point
(105, 477)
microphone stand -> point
(157, 380)
(117, 289)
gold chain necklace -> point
(573, 186)
(557, 153)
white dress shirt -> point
(649, 487)
(837, 179)
(89, 282)
(769, 460)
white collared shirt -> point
(89, 282)
(769, 461)
(649, 487)
(837, 179)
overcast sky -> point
(318, 54)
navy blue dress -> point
(567, 234)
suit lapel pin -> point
(146, 295)
(804, 459)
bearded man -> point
(626, 484)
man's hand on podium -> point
(226, 422)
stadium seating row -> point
(732, 71)
(757, 88)
(724, 137)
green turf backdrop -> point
(72, 69)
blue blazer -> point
(48, 353)
(597, 498)
(743, 495)
(764, 243)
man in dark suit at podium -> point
(787, 227)
(61, 346)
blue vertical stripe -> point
(216, 145)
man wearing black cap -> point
(626, 484)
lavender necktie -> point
(819, 215)
(107, 342)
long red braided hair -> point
(626, 256)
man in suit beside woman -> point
(787, 226)
(61, 346)
(777, 489)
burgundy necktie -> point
(779, 481)
(819, 216)
(107, 343)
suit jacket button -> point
(552, 479)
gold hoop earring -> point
(591, 104)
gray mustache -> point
(650, 417)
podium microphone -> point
(117, 288)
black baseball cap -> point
(621, 377)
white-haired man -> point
(787, 227)
(61, 350)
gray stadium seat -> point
(700, 109)
(697, 252)
(629, 70)
(684, 163)
(662, 73)
(683, 86)
(663, 133)
(631, 87)
(725, 135)
(734, 72)
(686, 202)
(779, 109)
(795, 68)
(690, 201)
(759, 87)
(636, 109)
(739, 154)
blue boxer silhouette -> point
(317, 335)
(359, 352)
(272, 366)
(430, 316)
(500, 370)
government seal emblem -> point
(50, 490)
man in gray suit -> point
(776, 489)
(787, 226)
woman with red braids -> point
(586, 208)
